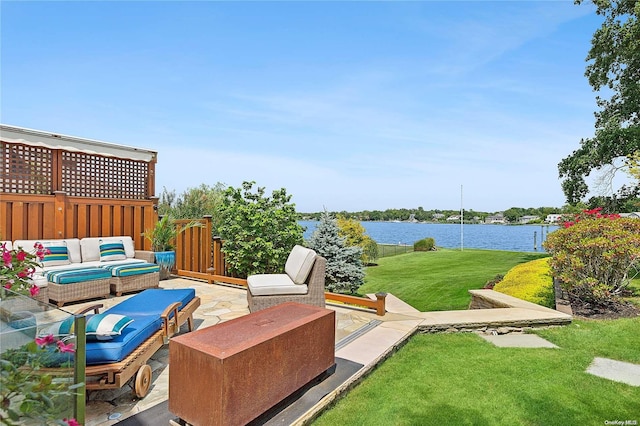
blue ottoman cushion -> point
(70, 276)
(129, 269)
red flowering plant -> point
(28, 391)
(596, 213)
(18, 267)
(595, 255)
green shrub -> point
(596, 256)
(531, 281)
(258, 231)
(425, 244)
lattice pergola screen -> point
(26, 169)
(86, 175)
(29, 170)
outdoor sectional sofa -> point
(92, 267)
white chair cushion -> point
(7, 244)
(299, 264)
(274, 284)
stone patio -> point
(362, 337)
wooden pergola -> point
(58, 186)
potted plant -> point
(162, 237)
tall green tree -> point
(258, 230)
(613, 65)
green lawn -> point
(443, 379)
(440, 280)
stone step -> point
(394, 305)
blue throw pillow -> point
(58, 254)
(112, 251)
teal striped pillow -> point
(58, 255)
(99, 327)
(112, 251)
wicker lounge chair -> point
(302, 282)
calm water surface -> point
(493, 237)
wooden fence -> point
(33, 217)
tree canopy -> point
(194, 203)
(613, 70)
(258, 230)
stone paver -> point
(623, 372)
(517, 340)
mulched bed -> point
(612, 310)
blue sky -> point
(348, 105)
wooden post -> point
(59, 202)
(380, 306)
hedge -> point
(531, 281)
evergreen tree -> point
(345, 273)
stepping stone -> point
(618, 371)
(513, 340)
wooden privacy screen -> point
(54, 193)
(194, 249)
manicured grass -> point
(440, 280)
(442, 379)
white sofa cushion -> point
(299, 264)
(7, 244)
(91, 247)
(272, 284)
(73, 247)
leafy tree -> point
(345, 273)
(355, 235)
(258, 231)
(614, 64)
(514, 213)
(193, 203)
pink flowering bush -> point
(29, 392)
(595, 255)
(18, 267)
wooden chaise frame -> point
(117, 374)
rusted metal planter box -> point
(231, 373)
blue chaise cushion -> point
(145, 309)
(116, 349)
(153, 301)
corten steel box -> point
(231, 373)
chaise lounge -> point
(154, 315)
(302, 282)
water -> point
(448, 235)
